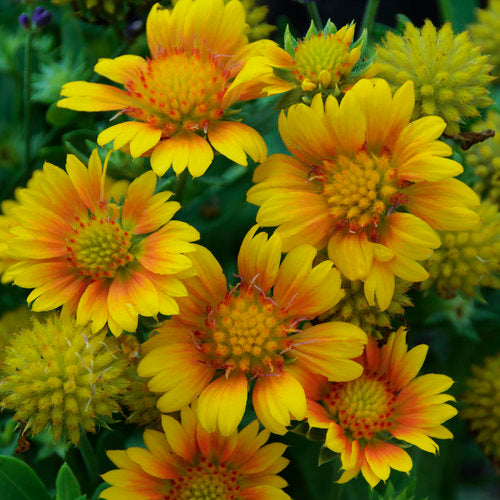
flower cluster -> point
(365, 203)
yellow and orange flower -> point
(388, 401)
(108, 262)
(185, 462)
(178, 98)
(221, 341)
(323, 62)
(366, 183)
(7, 222)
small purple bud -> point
(24, 20)
(41, 17)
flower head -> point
(449, 72)
(324, 62)
(58, 374)
(109, 262)
(256, 18)
(387, 401)
(185, 462)
(178, 98)
(486, 32)
(10, 323)
(485, 158)
(366, 183)
(354, 308)
(483, 400)
(467, 259)
(221, 340)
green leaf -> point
(290, 41)
(67, 487)
(289, 98)
(312, 31)
(326, 455)
(330, 28)
(59, 116)
(19, 482)
(283, 73)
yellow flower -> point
(325, 62)
(387, 401)
(485, 158)
(185, 462)
(486, 32)
(108, 262)
(366, 183)
(467, 259)
(449, 72)
(58, 374)
(221, 341)
(177, 99)
(256, 14)
(7, 222)
(482, 400)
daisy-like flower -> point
(222, 341)
(366, 183)
(178, 98)
(108, 262)
(7, 222)
(388, 401)
(324, 62)
(185, 462)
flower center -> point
(178, 89)
(322, 60)
(208, 481)
(246, 332)
(363, 406)
(98, 247)
(360, 189)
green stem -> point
(445, 10)
(181, 184)
(28, 57)
(88, 458)
(314, 13)
(369, 15)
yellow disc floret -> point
(364, 406)
(58, 374)
(360, 189)
(207, 481)
(98, 247)
(483, 403)
(449, 72)
(324, 59)
(179, 88)
(247, 333)
(467, 259)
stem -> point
(88, 458)
(314, 13)
(181, 184)
(445, 10)
(369, 15)
(28, 57)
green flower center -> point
(98, 247)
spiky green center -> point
(322, 59)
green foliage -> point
(19, 482)
(67, 487)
